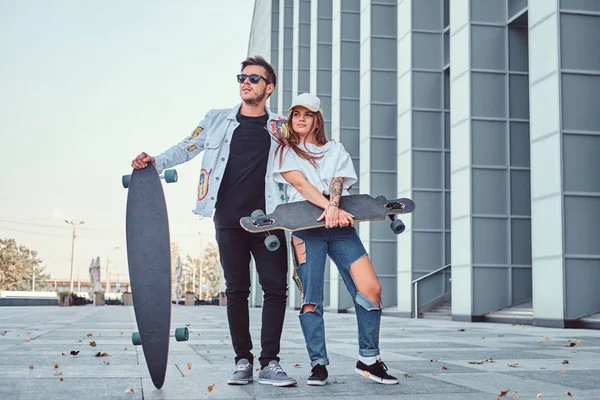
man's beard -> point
(256, 101)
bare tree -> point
(209, 269)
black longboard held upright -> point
(149, 263)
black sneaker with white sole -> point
(318, 376)
(376, 372)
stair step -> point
(436, 311)
(429, 315)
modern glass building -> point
(482, 111)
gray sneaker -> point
(274, 375)
(243, 374)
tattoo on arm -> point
(335, 191)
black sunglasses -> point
(254, 78)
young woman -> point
(321, 171)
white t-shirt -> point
(334, 162)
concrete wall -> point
(483, 112)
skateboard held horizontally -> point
(302, 215)
(149, 263)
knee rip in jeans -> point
(365, 303)
(371, 293)
(308, 307)
(299, 250)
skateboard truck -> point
(395, 206)
(180, 334)
(169, 176)
(271, 241)
(397, 225)
(263, 221)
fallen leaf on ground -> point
(61, 379)
(461, 330)
(407, 375)
(200, 334)
(106, 362)
(297, 365)
(93, 344)
(121, 333)
(568, 394)
(58, 372)
(55, 364)
(565, 361)
(338, 382)
(101, 354)
(539, 341)
(89, 334)
(29, 333)
(189, 365)
(547, 337)
(444, 367)
(187, 324)
(210, 388)
(4, 333)
(483, 337)
(513, 365)
(129, 390)
(502, 393)
(487, 360)
(74, 352)
(538, 395)
(570, 344)
(124, 349)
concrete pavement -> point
(434, 360)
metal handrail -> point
(416, 282)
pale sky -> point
(87, 85)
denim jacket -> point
(213, 136)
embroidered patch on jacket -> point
(203, 184)
(192, 147)
(196, 132)
(279, 127)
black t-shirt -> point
(242, 189)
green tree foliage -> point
(18, 264)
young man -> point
(236, 179)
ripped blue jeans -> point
(344, 247)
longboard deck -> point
(149, 262)
(303, 215)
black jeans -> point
(235, 247)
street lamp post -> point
(73, 246)
(108, 270)
(201, 264)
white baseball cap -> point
(310, 101)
